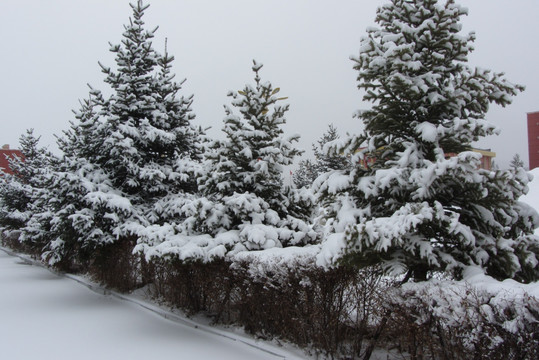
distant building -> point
(486, 158)
(5, 154)
(533, 139)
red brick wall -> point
(533, 139)
(4, 162)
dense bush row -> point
(338, 313)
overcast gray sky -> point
(50, 51)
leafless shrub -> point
(330, 312)
(459, 323)
(116, 266)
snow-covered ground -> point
(45, 316)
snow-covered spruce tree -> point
(244, 173)
(323, 162)
(252, 158)
(306, 173)
(19, 190)
(15, 194)
(416, 209)
(79, 198)
(329, 161)
(178, 157)
(516, 162)
(149, 126)
(125, 153)
(150, 146)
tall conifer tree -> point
(414, 209)
(254, 155)
(20, 190)
(127, 153)
(244, 174)
(149, 126)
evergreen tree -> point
(306, 174)
(19, 192)
(126, 155)
(325, 161)
(516, 162)
(15, 195)
(244, 175)
(80, 197)
(149, 126)
(308, 170)
(178, 156)
(414, 209)
(253, 157)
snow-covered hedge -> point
(477, 318)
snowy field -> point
(45, 316)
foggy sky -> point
(50, 51)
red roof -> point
(4, 159)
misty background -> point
(50, 52)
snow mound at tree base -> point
(532, 197)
